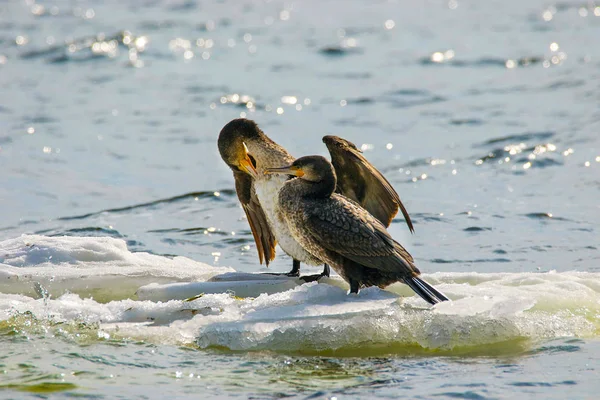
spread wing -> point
(360, 181)
(346, 229)
(263, 236)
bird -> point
(342, 233)
(248, 152)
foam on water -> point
(487, 309)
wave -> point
(91, 283)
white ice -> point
(47, 278)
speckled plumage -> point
(266, 154)
(339, 231)
(361, 183)
(342, 233)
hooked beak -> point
(247, 166)
(289, 170)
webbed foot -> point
(314, 278)
(291, 274)
(294, 273)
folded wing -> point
(346, 229)
(263, 236)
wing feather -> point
(263, 236)
(360, 181)
(342, 227)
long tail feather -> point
(426, 291)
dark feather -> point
(360, 181)
(425, 290)
(263, 236)
(344, 228)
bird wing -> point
(360, 181)
(346, 229)
(263, 236)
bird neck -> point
(268, 153)
(314, 190)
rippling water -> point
(483, 115)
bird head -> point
(309, 168)
(232, 145)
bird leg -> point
(354, 286)
(295, 272)
(313, 278)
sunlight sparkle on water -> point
(206, 43)
(289, 100)
(514, 148)
(349, 42)
(21, 40)
(439, 57)
(37, 9)
(548, 14)
(543, 148)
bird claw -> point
(295, 273)
(314, 278)
(291, 274)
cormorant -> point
(342, 233)
(249, 152)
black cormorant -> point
(343, 234)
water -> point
(483, 116)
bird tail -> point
(425, 290)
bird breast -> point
(267, 189)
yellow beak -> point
(247, 166)
(289, 170)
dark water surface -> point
(483, 115)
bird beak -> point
(247, 166)
(289, 170)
